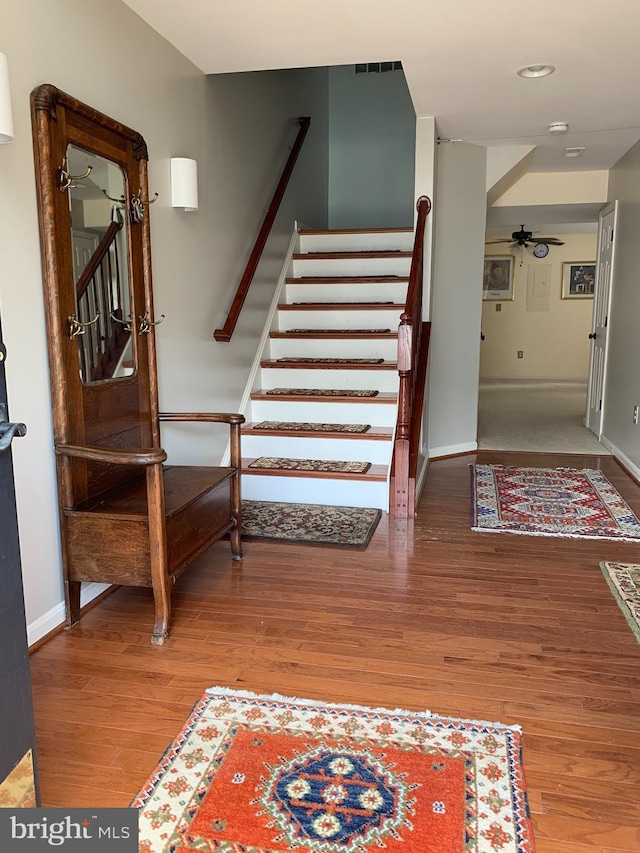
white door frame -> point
(600, 324)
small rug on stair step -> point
(324, 392)
(251, 772)
(309, 524)
(568, 502)
(337, 331)
(308, 427)
(332, 466)
(624, 583)
(331, 360)
(367, 302)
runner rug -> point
(309, 524)
(332, 466)
(323, 392)
(300, 426)
(550, 502)
(261, 774)
(624, 582)
(306, 360)
(337, 331)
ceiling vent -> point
(573, 152)
(377, 67)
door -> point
(18, 786)
(600, 321)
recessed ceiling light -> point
(558, 127)
(536, 70)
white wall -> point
(457, 298)
(554, 343)
(623, 373)
(371, 149)
(105, 55)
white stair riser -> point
(380, 319)
(351, 266)
(315, 491)
(381, 292)
(290, 447)
(382, 380)
(386, 348)
(380, 241)
(378, 414)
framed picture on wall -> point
(578, 279)
(497, 283)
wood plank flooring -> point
(517, 629)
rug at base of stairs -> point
(267, 773)
(332, 466)
(300, 426)
(624, 583)
(567, 502)
(309, 524)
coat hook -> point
(77, 328)
(66, 180)
(126, 323)
(146, 323)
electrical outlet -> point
(520, 354)
(636, 413)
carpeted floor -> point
(536, 416)
(309, 524)
(267, 773)
(624, 582)
(549, 502)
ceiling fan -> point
(526, 239)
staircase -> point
(341, 303)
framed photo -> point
(578, 279)
(497, 283)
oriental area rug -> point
(309, 524)
(624, 583)
(260, 774)
(550, 502)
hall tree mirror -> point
(126, 519)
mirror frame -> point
(109, 412)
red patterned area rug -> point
(259, 774)
(624, 583)
(550, 502)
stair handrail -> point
(223, 335)
(413, 349)
(96, 259)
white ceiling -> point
(459, 57)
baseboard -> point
(55, 617)
(543, 380)
(453, 449)
(421, 479)
(620, 457)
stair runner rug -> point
(309, 524)
(624, 582)
(299, 426)
(333, 466)
(324, 392)
(331, 360)
(563, 502)
(268, 773)
(337, 331)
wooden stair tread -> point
(345, 256)
(310, 231)
(348, 279)
(333, 334)
(383, 397)
(372, 434)
(298, 365)
(376, 473)
(341, 306)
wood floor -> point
(517, 629)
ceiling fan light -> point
(540, 70)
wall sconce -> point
(6, 119)
(184, 183)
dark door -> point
(17, 781)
